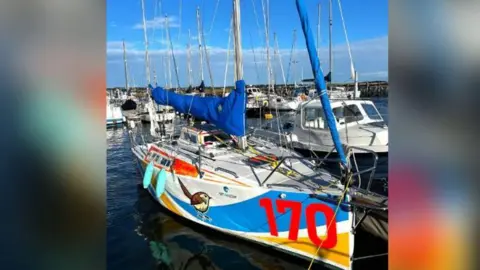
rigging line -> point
(180, 21)
(352, 67)
(214, 16)
(291, 54)
(152, 38)
(154, 16)
(150, 106)
(279, 57)
(189, 56)
(163, 54)
(333, 219)
(228, 56)
(207, 56)
(267, 45)
(254, 58)
(173, 55)
(256, 19)
(199, 39)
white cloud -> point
(158, 23)
(370, 58)
(375, 74)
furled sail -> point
(320, 80)
(227, 113)
(201, 87)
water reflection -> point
(177, 244)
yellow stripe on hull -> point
(339, 254)
(167, 203)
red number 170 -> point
(296, 208)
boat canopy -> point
(226, 113)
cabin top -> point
(205, 135)
(345, 111)
(253, 90)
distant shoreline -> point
(367, 88)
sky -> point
(366, 23)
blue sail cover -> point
(320, 80)
(227, 113)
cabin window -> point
(338, 113)
(352, 113)
(190, 137)
(371, 111)
(158, 158)
(193, 138)
(314, 118)
(165, 162)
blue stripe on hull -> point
(249, 216)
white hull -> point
(315, 144)
(310, 131)
(114, 114)
(162, 117)
(235, 203)
(284, 106)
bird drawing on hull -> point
(200, 201)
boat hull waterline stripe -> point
(232, 218)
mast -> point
(173, 54)
(151, 107)
(200, 44)
(169, 67)
(355, 90)
(147, 62)
(125, 66)
(228, 56)
(189, 56)
(291, 55)
(207, 58)
(353, 71)
(242, 141)
(267, 44)
(330, 57)
(155, 77)
(279, 58)
(318, 28)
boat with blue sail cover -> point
(217, 177)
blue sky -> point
(366, 23)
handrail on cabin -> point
(226, 171)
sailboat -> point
(216, 177)
(129, 106)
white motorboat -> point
(358, 122)
(163, 116)
(114, 114)
(276, 102)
